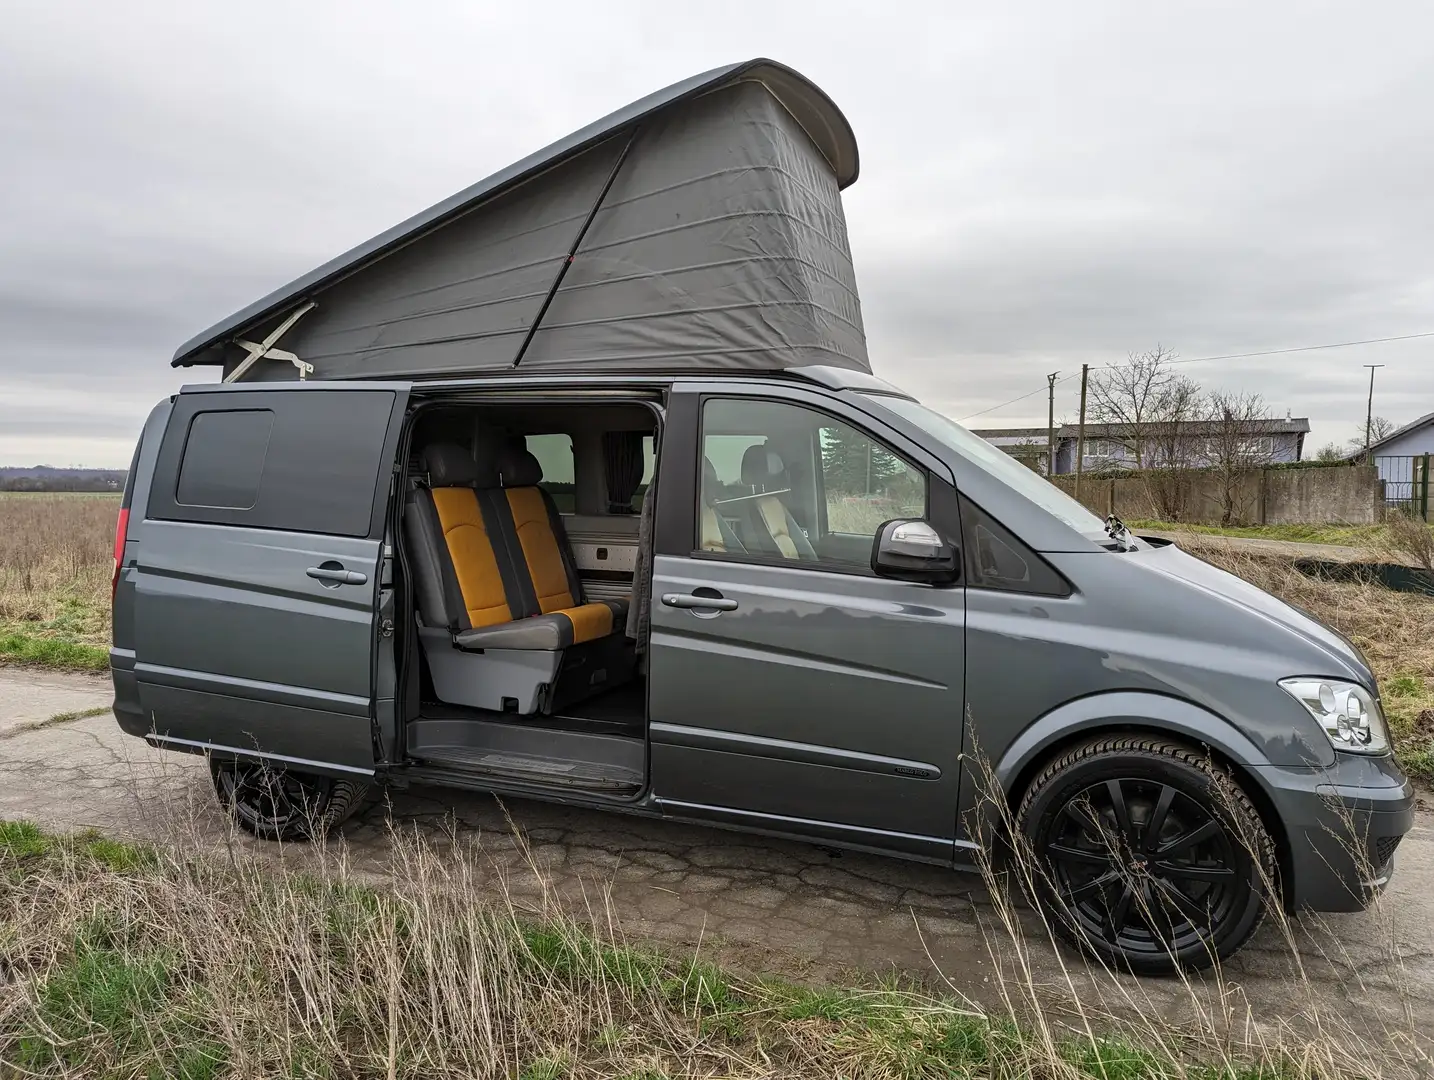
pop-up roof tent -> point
(705, 229)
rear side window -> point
(301, 461)
(224, 458)
(555, 454)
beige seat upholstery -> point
(766, 525)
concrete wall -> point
(1347, 495)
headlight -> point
(1347, 711)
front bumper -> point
(1343, 824)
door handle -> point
(332, 575)
(715, 602)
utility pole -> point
(1080, 434)
(1369, 411)
(1051, 424)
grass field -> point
(1370, 537)
(56, 557)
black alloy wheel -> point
(1145, 855)
(279, 804)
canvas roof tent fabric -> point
(720, 246)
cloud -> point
(1043, 184)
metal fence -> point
(1406, 482)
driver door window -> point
(783, 482)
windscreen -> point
(1000, 465)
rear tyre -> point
(1146, 854)
(279, 804)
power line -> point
(1226, 356)
(1302, 348)
(1023, 397)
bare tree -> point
(1237, 443)
(1135, 398)
(1379, 428)
(1167, 456)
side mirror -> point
(911, 550)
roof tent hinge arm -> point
(577, 243)
(266, 348)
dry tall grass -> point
(208, 962)
(1394, 630)
(56, 555)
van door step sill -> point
(590, 776)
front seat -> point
(488, 642)
(717, 535)
(767, 526)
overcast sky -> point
(1041, 184)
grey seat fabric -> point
(767, 526)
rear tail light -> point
(121, 527)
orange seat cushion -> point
(474, 561)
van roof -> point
(806, 103)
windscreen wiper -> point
(1116, 530)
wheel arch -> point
(1157, 715)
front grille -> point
(1384, 850)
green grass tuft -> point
(22, 840)
(53, 652)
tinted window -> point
(299, 460)
(224, 458)
(996, 559)
(793, 483)
(555, 454)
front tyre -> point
(1146, 854)
(279, 804)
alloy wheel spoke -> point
(1157, 818)
(1117, 916)
(1094, 885)
(1199, 835)
(1067, 854)
(1080, 812)
(1191, 911)
(1186, 872)
(1122, 811)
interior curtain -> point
(622, 461)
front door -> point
(256, 571)
(809, 696)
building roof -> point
(806, 103)
(1413, 425)
(1297, 425)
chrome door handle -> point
(335, 573)
(689, 600)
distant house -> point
(1110, 446)
(1412, 440)
(1398, 457)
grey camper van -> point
(578, 486)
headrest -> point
(763, 469)
(516, 466)
(449, 465)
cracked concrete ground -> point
(764, 905)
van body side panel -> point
(828, 698)
(825, 703)
(260, 639)
(128, 710)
